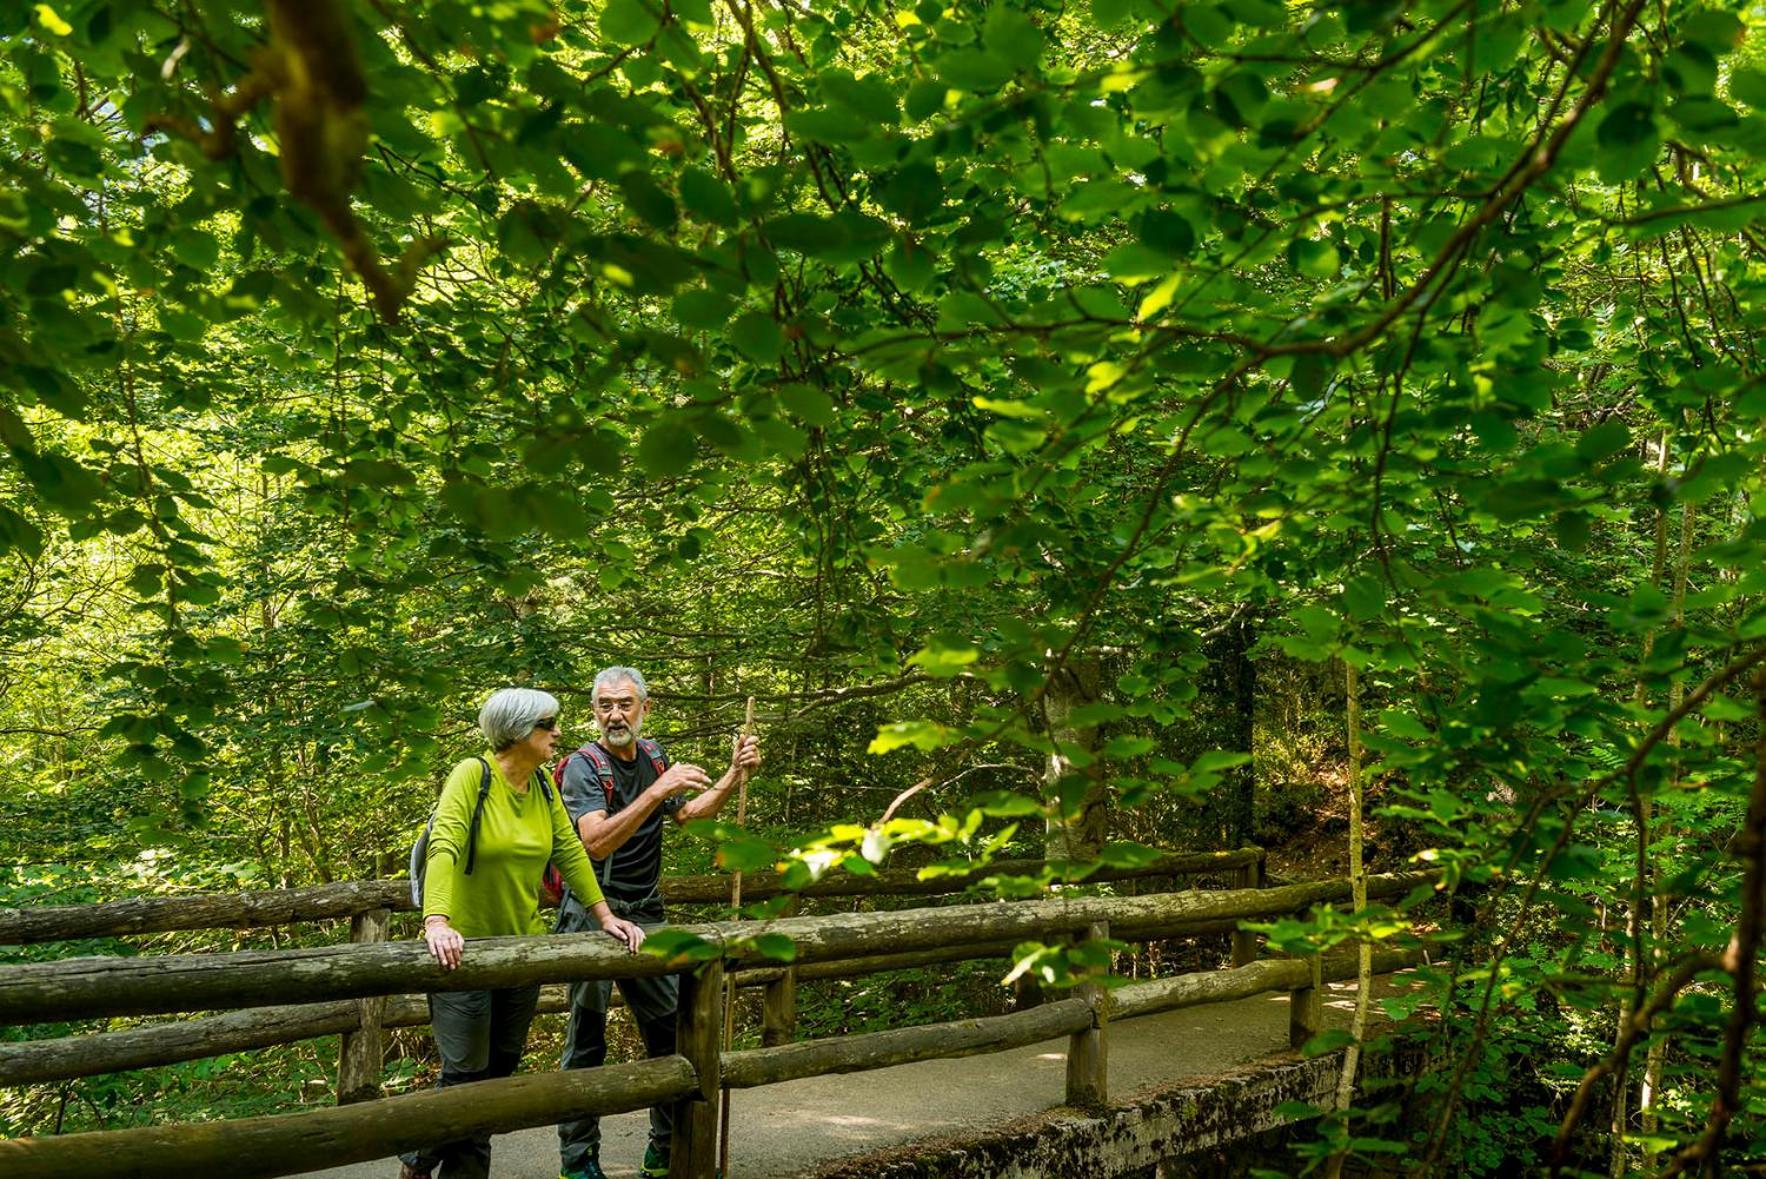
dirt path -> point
(787, 1129)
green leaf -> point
(1011, 36)
(745, 853)
(1364, 597)
(629, 22)
(974, 70)
(1573, 530)
(1629, 139)
(679, 945)
(707, 198)
(925, 99)
(1717, 31)
(1109, 14)
(829, 125)
(1314, 259)
(809, 404)
(914, 193)
(807, 233)
(910, 265)
(646, 198)
(1005, 804)
(1603, 441)
(1330, 1040)
(922, 735)
(1168, 233)
(1748, 84)
(775, 946)
(706, 310)
(1127, 745)
(667, 448)
(18, 533)
(1215, 760)
(870, 97)
(757, 337)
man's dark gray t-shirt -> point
(630, 875)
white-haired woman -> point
(482, 879)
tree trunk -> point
(1231, 808)
(1072, 777)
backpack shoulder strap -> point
(484, 792)
(597, 757)
(653, 751)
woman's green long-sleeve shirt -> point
(517, 835)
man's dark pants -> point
(480, 1035)
(652, 1002)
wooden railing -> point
(340, 976)
(367, 905)
(290, 906)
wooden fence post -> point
(778, 1008)
(1306, 1007)
(363, 1052)
(1244, 941)
(699, 1030)
(1088, 1050)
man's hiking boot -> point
(655, 1162)
(591, 1169)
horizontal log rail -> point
(1242, 982)
(31, 1062)
(287, 1144)
(938, 1041)
(80, 988)
(245, 910)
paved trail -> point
(784, 1130)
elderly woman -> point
(486, 883)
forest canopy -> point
(1012, 397)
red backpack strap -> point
(597, 757)
(653, 751)
(592, 754)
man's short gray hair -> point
(510, 715)
(609, 676)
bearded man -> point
(617, 790)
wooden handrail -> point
(30, 1062)
(938, 1041)
(286, 1144)
(87, 987)
(1242, 982)
(243, 910)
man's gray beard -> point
(626, 736)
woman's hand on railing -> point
(630, 933)
(446, 945)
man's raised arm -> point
(603, 834)
(744, 760)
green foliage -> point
(888, 363)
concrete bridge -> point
(1093, 1081)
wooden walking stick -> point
(723, 1118)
